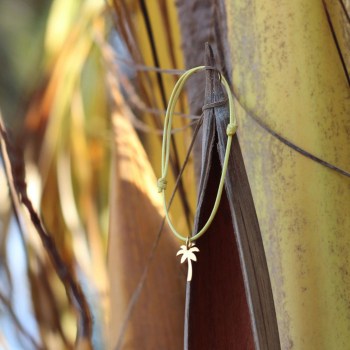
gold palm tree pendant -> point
(187, 252)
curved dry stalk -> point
(72, 286)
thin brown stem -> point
(73, 288)
(346, 13)
(336, 41)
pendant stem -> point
(189, 273)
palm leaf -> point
(183, 258)
(191, 256)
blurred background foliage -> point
(67, 67)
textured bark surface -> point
(229, 301)
(288, 73)
(200, 22)
(195, 18)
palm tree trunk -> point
(189, 272)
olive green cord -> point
(231, 130)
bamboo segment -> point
(288, 73)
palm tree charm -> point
(187, 252)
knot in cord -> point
(161, 184)
(231, 129)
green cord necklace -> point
(189, 248)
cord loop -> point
(231, 129)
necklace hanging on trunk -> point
(189, 248)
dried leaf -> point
(136, 214)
